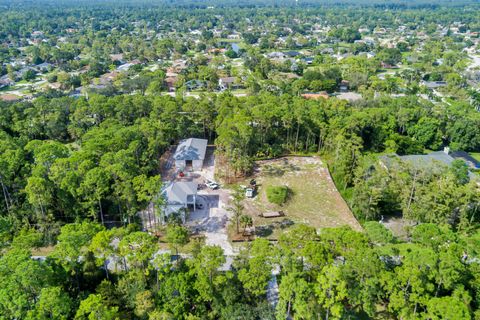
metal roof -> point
(179, 192)
(191, 149)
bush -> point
(277, 194)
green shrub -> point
(277, 194)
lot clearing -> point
(313, 198)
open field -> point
(313, 197)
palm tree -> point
(237, 207)
(246, 221)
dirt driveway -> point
(211, 216)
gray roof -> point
(435, 84)
(434, 161)
(180, 192)
(431, 160)
(350, 96)
(191, 149)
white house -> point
(190, 153)
(178, 197)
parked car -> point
(249, 192)
(212, 184)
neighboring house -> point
(292, 54)
(432, 161)
(190, 152)
(328, 51)
(43, 67)
(5, 81)
(178, 197)
(235, 36)
(344, 85)
(226, 83)
(349, 96)
(9, 97)
(386, 65)
(276, 55)
(195, 84)
(170, 83)
(117, 57)
(124, 67)
(308, 60)
(108, 77)
(434, 84)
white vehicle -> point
(249, 192)
(212, 184)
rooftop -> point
(180, 192)
(191, 149)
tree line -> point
(98, 273)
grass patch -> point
(313, 198)
(277, 194)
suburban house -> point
(349, 96)
(344, 85)
(178, 197)
(190, 153)
(226, 83)
(5, 81)
(432, 161)
(434, 84)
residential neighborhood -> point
(239, 160)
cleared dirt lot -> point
(313, 199)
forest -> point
(90, 160)
(94, 94)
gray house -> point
(178, 197)
(190, 153)
(434, 161)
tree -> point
(176, 236)
(94, 188)
(390, 56)
(246, 221)
(53, 303)
(29, 75)
(295, 297)
(450, 307)
(331, 290)
(144, 304)
(459, 170)
(205, 266)
(72, 245)
(138, 248)
(94, 308)
(257, 273)
(23, 280)
(378, 233)
(102, 248)
(237, 207)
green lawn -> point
(313, 198)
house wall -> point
(180, 164)
(197, 164)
